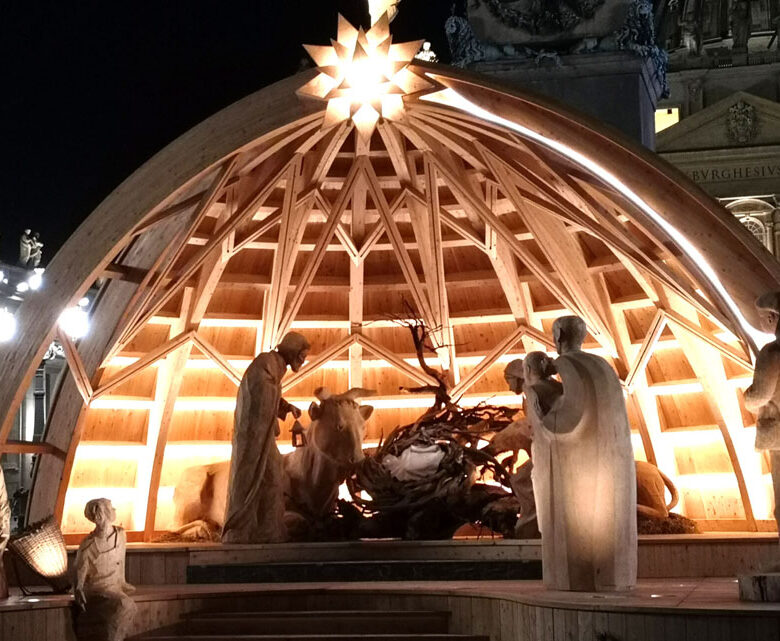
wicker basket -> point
(42, 548)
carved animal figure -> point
(650, 496)
(312, 473)
(334, 445)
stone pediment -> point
(741, 120)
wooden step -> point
(316, 622)
(313, 637)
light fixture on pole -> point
(36, 279)
(7, 325)
(74, 321)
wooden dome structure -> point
(487, 213)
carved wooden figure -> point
(334, 445)
(255, 505)
(101, 590)
(584, 474)
(5, 532)
(763, 396)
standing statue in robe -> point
(255, 505)
(584, 473)
(763, 396)
(101, 590)
(534, 370)
(740, 24)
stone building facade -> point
(696, 80)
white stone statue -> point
(101, 590)
(26, 246)
(5, 532)
(255, 505)
(584, 474)
(763, 396)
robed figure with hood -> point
(255, 505)
(584, 474)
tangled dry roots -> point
(458, 432)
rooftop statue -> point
(30, 247)
(101, 590)
(26, 244)
(584, 474)
(740, 24)
(255, 505)
(763, 396)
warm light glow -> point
(451, 98)
(363, 76)
(36, 279)
(74, 321)
(666, 117)
(113, 403)
(7, 325)
(43, 548)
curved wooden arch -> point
(260, 196)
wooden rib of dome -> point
(259, 221)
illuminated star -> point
(364, 76)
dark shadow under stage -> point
(692, 556)
(668, 609)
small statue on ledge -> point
(101, 589)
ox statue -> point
(314, 472)
(333, 445)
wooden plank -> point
(290, 234)
(147, 290)
(401, 365)
(563, 251)
(468, 200)
(708, 366)
(435, 279)
(169, 379)
(254, 201)
(329, 229)
(142, 363)
(356, 280)
(215, 356)
(31, 447)
(698, 332)
(487, 362)
(266, 225)
(646, 349)
(322, 358)
(405, 262)
(76, 366)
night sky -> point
(91, 90)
